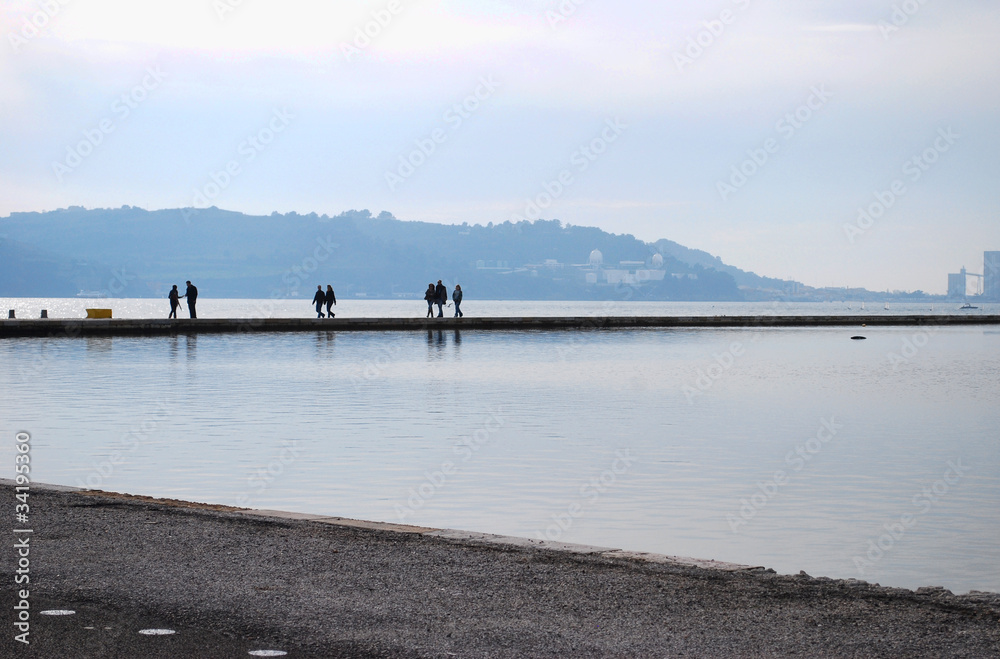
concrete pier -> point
(154, 327)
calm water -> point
(797, 449)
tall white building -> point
(991, 275)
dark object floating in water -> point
(967, 306)
(859, 338)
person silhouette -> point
(331, 300)
(456, 297)
(441, 293)
(175, 301)
(431, 296)
(192, 296)
(318, 300)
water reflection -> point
(98, 346)
(435, 345)
(325, 343)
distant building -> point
(632, 273)
(956, 284)
(991, 276)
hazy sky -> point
(636, 117)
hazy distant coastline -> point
(131, 252)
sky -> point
(838, 143)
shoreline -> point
(68, 328)
(325, 586)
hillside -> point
(133, 252)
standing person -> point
(441, 293)
(318, 300)
(430, 295)
(331, 300)
(456, 297)
(175, 301)
(192, 296)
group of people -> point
(327, 298)
(175, 299)
(439, 295)
(435, 295)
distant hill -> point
(706, 260)
(132, 252)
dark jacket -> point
(457, 296)
(431, 294)
(330, 297)
(191, 293)
(442, 294)
(319, 298)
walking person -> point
(175, 301)
(441, 293)
(318, 300)
(331, 300)
(430, 295)
(192, 296)
(456, 297)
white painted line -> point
(57, 612)
(157, 632)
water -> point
(796, 449)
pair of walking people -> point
(439, 295)
(321, 298)
(175, 300)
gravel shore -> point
(228, 582)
